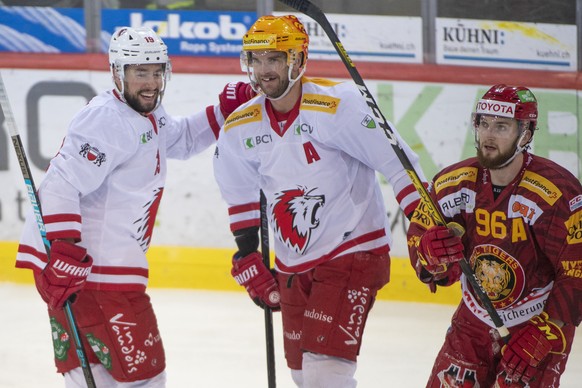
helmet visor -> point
(498, 126)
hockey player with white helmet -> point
(99, 201)
(313, 147)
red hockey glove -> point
(65, 274)
(250, 272)
(233, 95)
(529, 347)
(438, 247)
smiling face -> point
(497, 139)
(271, 72)
(142, 86)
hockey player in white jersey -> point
(313, 147)
(99, 200)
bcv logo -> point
(173, 27)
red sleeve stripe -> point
(245, 224)
(253, 206)
(212, 120)
(407, 191)
(64, 217)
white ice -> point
(216, 339)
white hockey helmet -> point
(137, 46)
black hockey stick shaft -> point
(269, 338)
(34, 200)
(314, 12)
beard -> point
(499, 160)
(134, 102)
(277, 91)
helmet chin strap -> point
(121, 76)
(291, 82)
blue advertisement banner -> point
(206, 33)
(62, 30)
(42, 30)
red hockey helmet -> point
(516, 102)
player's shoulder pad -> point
(455, 176)
(245, 115)
(320, 94)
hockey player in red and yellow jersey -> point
(522, 216)
(313, 147)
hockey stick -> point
(311, 10)
(268, 313)
(34, 200)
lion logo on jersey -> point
(295, 215)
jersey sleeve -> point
(420, 222)
(360, 134)
(97, 141)
(565, 252)
(188, 136)
(238, 180)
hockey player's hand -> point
(233, 95)
(65, 274)
(251, 273)
(529, 347)
(438, 247)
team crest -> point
(501, 276)
(458, 377)
(295, 215)
(92, 154)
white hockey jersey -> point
(317, 170)
(104, 186)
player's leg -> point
(76, 379)
(119, 331)
(467, 356)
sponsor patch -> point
(92, 154)
(574, 227)
(496, 108)
(455, 177)
(572, 268)
(526, 96)
(576, 203)
(541, 186)
(460, 200)
(520, 206)
(320, 103)
(247, 115)
(260, 42)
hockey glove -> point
(438, 247)
(529, 347)
(251, 273)
(233, 95)
(65, 274)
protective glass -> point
(264, 61)
(145, 73)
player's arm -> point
(237, 178)
(434, 250)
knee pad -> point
(321, 371)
